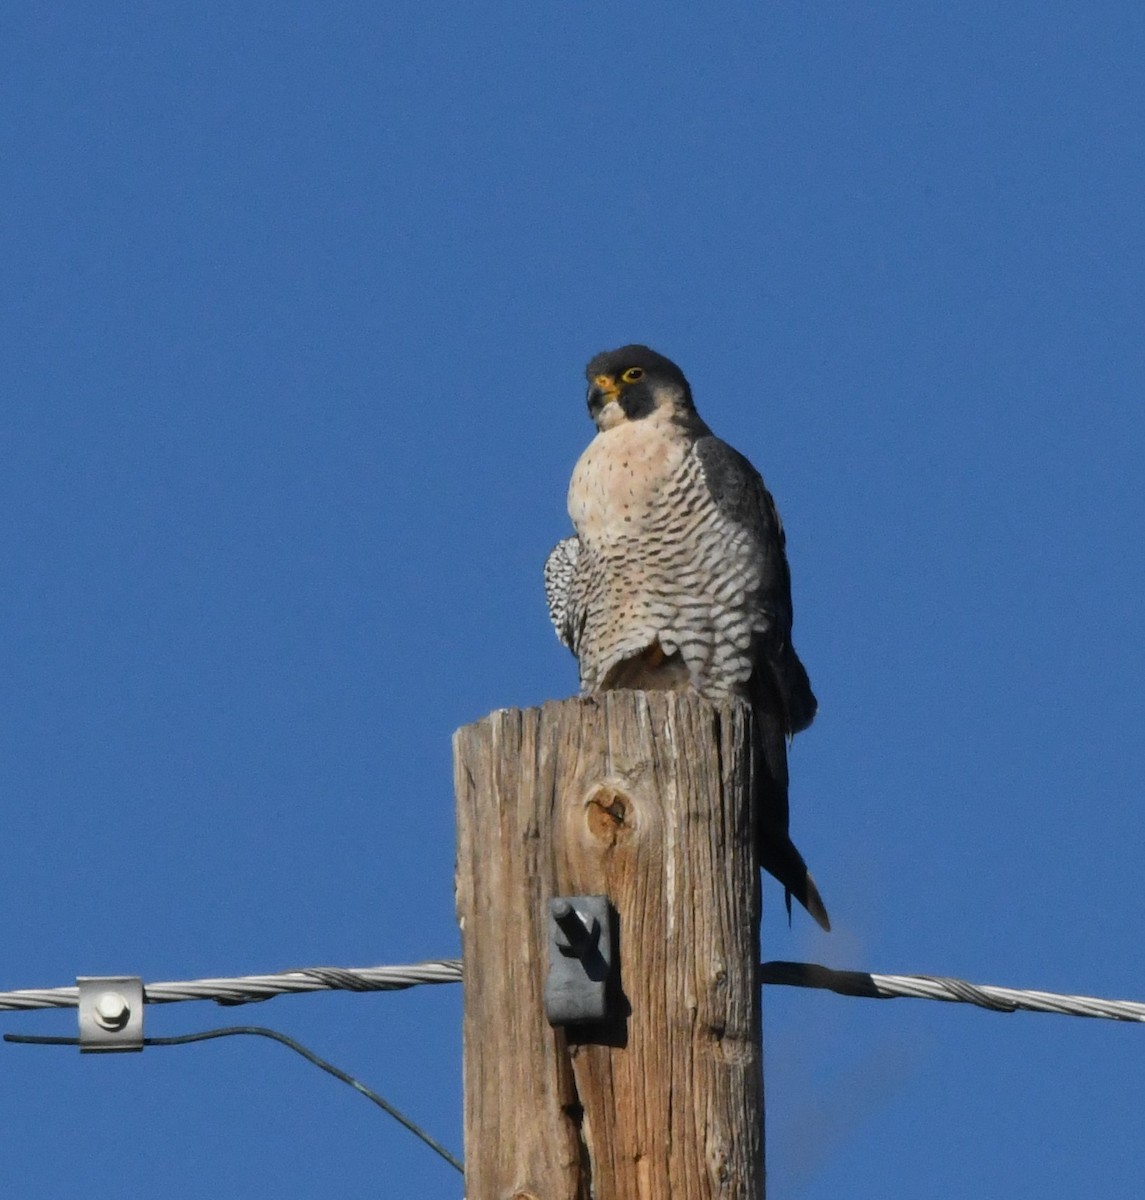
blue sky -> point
(297, 303)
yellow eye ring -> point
(633, 374)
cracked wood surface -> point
(644, 798)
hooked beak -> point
(603, 390)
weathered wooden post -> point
(642, 797)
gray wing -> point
(561, 591)
(781, 698)
(739, 492)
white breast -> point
(621, 477)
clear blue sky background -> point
(296, 304)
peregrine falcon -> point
(677, 578)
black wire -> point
(274, 1035)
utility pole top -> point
(642, 798)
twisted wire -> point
(246, 989)
(940, 987)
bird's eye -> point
(633, 374)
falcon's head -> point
(634, 382)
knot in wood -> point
(608, 812)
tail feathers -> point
(777, 853)
(786, 864)
(812, 901)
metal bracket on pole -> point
(581, 960)
(110, 1012)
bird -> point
(676, 578)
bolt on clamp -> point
(110, 1012)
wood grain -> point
(644, 798)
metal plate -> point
(110, 1012)
(578, 986)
